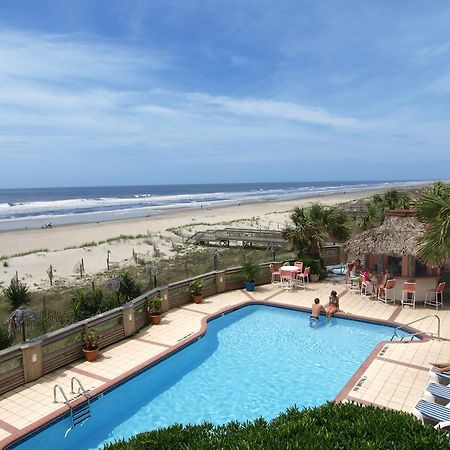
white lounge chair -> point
(427, 411)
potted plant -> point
(154, 310)
(251, 271)
(195, 288)
(317, 269)
(90, 345)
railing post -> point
(33, 367)
(129, 324)
(165, 299)
(220, 281)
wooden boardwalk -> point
(245, 237)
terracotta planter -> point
(155, 319)
(314, 277)
(197, 298)
(91, 355)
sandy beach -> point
(64, 247)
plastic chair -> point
(386, 293)
(303, 277)
(436, 296)
(409, 294)
(275, 273)
(299, 265)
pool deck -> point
(393, 376)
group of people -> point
(331, 308)
(372, 279)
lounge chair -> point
(439, 377)
(438, 393)
(431, 412)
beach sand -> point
(61, 246)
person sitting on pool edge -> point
(333, 305)
(316, 309)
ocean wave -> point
(48, 209)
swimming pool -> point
(255, 361)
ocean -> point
(39, 207)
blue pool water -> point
(256, 361)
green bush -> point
(5, 339)
(316, 265)
(330, 426)
(85, 304)
(17, 294)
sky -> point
(113, 92)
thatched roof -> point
(396, 236)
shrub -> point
(251, 270)
(5, 339)
(316, 265)
(330, 426)
(195, 287)
(129, 289)
(17, 294)
(86, 304)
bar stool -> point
(354, 284)
(436, 296)
(275, 273)
(409, 294)
(386, 293)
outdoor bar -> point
(393, 246)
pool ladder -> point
(418, 333)
(78, 414)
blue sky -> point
(174, 91)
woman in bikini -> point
(333, 304)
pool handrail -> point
(417, 333)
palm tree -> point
(313, 226)
(380, 203)
(17, 294)
(433, 208)
(372, 217)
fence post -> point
(33, 367)
(220, 281)
(165, 299)
(129, 324)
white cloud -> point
(276, 110)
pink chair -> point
(409, 294)
(274, 270)
(386, 293)
(436, 296)
(302, 278)
(299, 265)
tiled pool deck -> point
(394, 375)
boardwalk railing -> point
(29, 361)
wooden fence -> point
(29, 361)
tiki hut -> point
(397, 236)
(393, 246)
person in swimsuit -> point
(316, 309)
(333, 304)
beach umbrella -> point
(18, 318)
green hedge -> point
(330, 426)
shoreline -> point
(62, 246)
